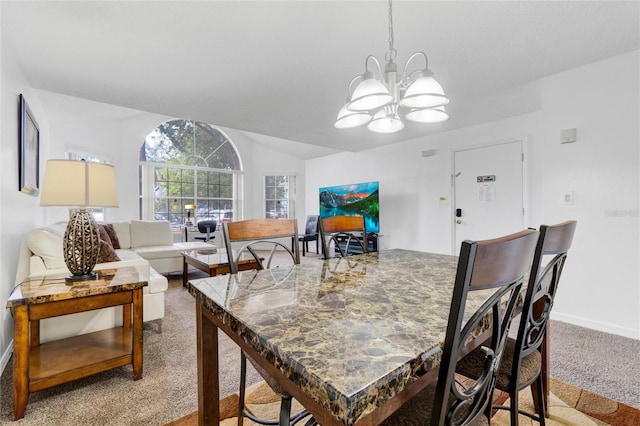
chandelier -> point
(377, 98)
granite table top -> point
(52, 288)
(350, 332)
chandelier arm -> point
(426, 61)
(366, 64)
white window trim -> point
(291, 200)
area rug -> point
(568, 405)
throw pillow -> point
(104, 235)
(107, 253)
(113, 236)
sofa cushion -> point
(123, 230)
(125, 254)
(46, 243)
(150, 233)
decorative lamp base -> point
(81, 244)
(72, 279)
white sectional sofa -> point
(147, 245)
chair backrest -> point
(499, 266)
(554, 240)
(311, 227)
(258, 234)
(207, 226)
(347, 233)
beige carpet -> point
(568, 405)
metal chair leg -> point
(243, 380)
(285, 411)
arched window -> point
(186, 163)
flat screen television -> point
(356, 199)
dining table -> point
(350, 338)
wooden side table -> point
(40, 366)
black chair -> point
(346, 233)
(310, 233)
(499, 266)
(522, 365)
(207, 227)
(256, 235)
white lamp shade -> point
(369, 94)
(70, 183)
(383, 123)
(348, 119)
(428, 115)
(425, 92)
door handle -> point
(458, 221)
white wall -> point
(260, 160)
(600, 288)
(19, 212)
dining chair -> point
(206, 227)
(253, 237)
(347, 234)
(310, 233)
(496, 267)
(274, 235)
(522, 364)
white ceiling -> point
(281, 68)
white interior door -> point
(488, 192)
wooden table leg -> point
(20, 361)
(137, 333)
(207, 360)
(34, 333)
(185, 271)
(126, 315)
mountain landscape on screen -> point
(359, 199)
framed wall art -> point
(29, 151)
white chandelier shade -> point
(369, 94)
(428, 115)
(348, 119)
(377, 98)
(425, 92)
(385, 122)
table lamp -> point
(188, 208)
(80, 184)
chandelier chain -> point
(391, 53)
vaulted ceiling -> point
(281, 69)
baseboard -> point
(6, 356)
(597, 325)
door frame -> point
(525, 181)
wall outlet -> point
(566, 197)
